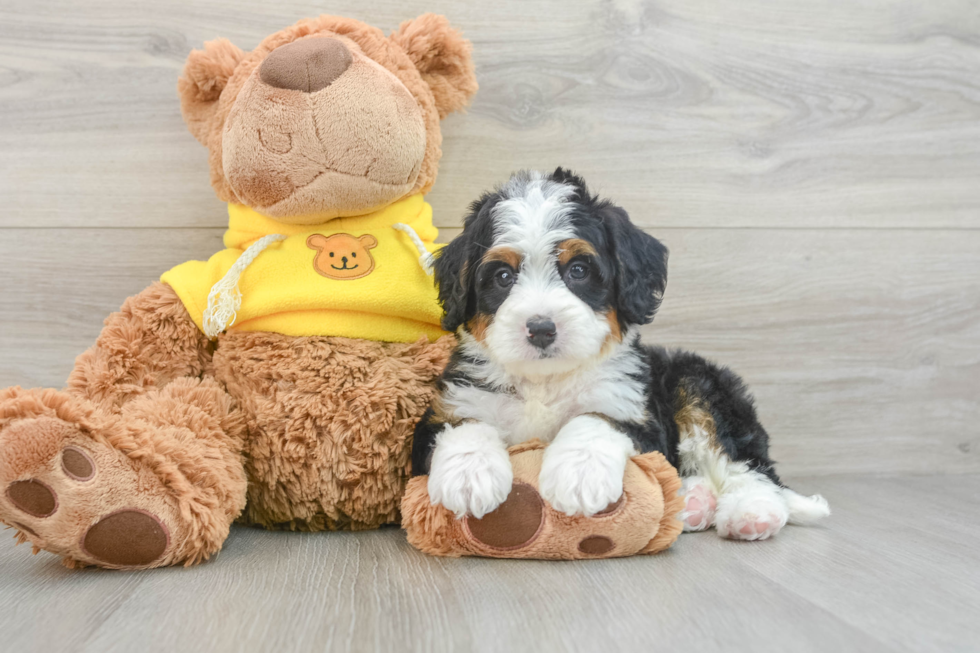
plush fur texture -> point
(162, 437)
(546, 287)
(527, 527)
(354, 169)
(342, 458)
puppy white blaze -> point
(533, 220)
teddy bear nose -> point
(306, 65)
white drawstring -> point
(225, 299)
(426, 260)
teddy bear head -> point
(328, 117)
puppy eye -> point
(353, 254)
(331, 254)
(504, 278)
(578, 271)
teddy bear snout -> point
(306, 65)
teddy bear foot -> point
(642, 521)
(74, 495)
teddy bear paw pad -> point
(516, 523)
(77, 464)
(128, 538)
(33, 497)
(596, 545)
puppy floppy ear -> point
(451, 273)
(443, 57)
(456, 264)
(205, 75)
(641, 267)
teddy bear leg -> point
(149, 342)
(157, 485)
(138, 463)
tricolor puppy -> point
(546, 288)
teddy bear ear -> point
(442, 56)
(205, 75)
(368, 241)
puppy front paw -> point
(470, 472)
(583, 474)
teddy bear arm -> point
(148, 343)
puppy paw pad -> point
(514, 524)
(699, 508)
(33, 497)
(753, 527)
(77, 464)
(128, 538)
(596, 545)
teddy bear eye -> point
(353, 254)
(331, 254)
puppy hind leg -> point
(747, 505)
(704, 468)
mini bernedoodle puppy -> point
(546, 289)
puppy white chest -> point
(541, 419)
(541, 410)
(524, 409)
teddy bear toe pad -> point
(514, 524)
(33, 497)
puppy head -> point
(546, 277)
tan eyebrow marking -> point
(509, 256)
(569, 249)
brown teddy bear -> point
(278, 382)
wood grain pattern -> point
(869, 579)
(698, 113)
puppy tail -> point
(805, 510)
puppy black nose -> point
(344, 259)
(541, 332)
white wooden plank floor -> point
(896, 568)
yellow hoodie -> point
(357, 277)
